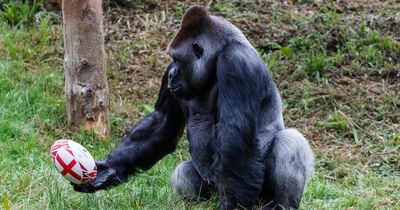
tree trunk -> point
(86, 87)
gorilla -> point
(220, 89)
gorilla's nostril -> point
(172, 73)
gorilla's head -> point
(193, 50)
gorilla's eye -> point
(198, 50)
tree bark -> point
(86, 87)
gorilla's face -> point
(189, 72)
(178, 80)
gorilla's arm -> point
(238, 165)
(153, 137)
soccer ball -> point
(73, 161)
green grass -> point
(344, 98)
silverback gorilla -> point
(219, 87)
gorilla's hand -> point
(106, 177)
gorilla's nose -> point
(171, 75)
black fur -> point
(153, 137)
(237, 159)
(221, 89)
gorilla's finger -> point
(85, 188)
(108, 178)
(105, 179)
(101, 165)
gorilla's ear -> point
(198, 50)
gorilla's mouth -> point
(175, 89)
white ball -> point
(73, 161)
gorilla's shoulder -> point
(238, 56)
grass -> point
(337, 73)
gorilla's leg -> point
(288, 164)
(189, 184)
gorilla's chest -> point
(201, 133)
(201, 130)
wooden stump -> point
(86, 87)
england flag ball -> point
(73, 161)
